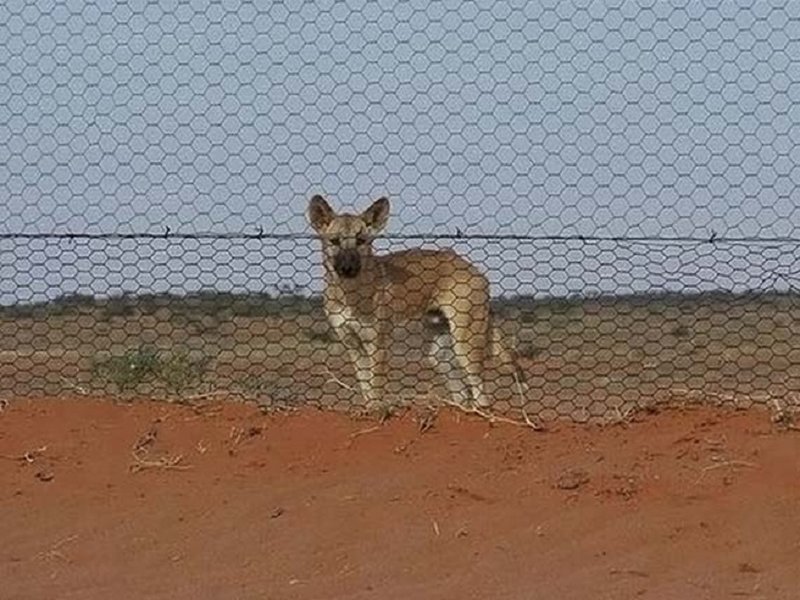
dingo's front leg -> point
(369, 362)
(376, 359)
(358, 358)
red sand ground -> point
(692, 505)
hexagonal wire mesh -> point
(623, 173)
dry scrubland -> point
(599, 358)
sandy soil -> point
(161, 501)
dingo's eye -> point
(361, 239)
(335, 241)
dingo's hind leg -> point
(467, 310)
(443, 359)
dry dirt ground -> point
(149, 500)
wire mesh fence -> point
(624, 174)
(699, 320)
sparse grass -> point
(179, 371)
(267, 392)
(129, 370)
(176, 371)
(250, 384)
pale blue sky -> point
(592, 118)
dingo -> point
(365, 293)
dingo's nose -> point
(347, 264)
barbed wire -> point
(713, 238)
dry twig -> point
(165, 462)
(142, 447)
(620, 417)
(493, 418)
(723, 464)
(146, 440)
(427, 421)
(520, 390)
(54, 550)
(435, 527)
(332, 378)
(730, 463)
(235, 436)
(70, 385)
(361, 432)
(783, 416)
(193, 398)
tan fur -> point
(409, 284)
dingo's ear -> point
(377, 215)
(320, 213)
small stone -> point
(44, 475)
(572, 479)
